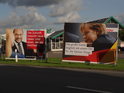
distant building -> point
(55, 41)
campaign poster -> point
(90, 42)
(25, 43)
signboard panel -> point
(90, 42)
(25, 43)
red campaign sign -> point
(34, 38)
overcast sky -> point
(53, 13)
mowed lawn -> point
(56, 62)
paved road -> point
(22, 79)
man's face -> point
(18, 33)
(89, 35)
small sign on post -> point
(16, 56)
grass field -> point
(56, 62)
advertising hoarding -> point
(25, 43)
(90, 42)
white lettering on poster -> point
(79, 49)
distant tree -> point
(121, 35)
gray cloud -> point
(65, 7)
(67, 11)
(58, 7)
(70, 17)
(32, 17)
(36, 3)
(62, 10)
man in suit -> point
(20, 46)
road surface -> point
(25, 79)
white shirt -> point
(16, 44)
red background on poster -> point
(34, 38)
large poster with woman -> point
(90, 42)
(25, 43)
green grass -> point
(56, 62)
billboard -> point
(25, 43)
(90, 42)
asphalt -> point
(27, 79)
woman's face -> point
(89, 35)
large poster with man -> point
(90, 42)
(25, 43)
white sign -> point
(79, 49)
(112, 29)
